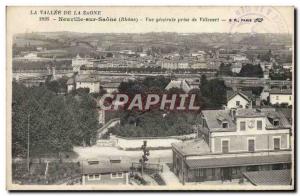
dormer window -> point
(276, 122)
(223, 121)
(93, 162)
(225, 124)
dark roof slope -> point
(104, 166)
(272, 177)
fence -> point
(149, 168)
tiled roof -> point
(104, 166)
(214, 118)
(237, 161)
(87, 78)
(70, 81)
(198, 146)
(110, 85)
(245, 94)
(287, 112)
(249, 113)
(283, 121)
(211, 118)
(272, 177)
(281, 91)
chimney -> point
(233, 114)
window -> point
(242, 126)
(117, 175)
(259, 125)
(97, 176)
(93, 162)
(276, 122)
(200, 172)
(251, 145)
(225, 146)
(237, 103)
(290, 97)
(252, 168)
(277, 97)
(94, 177)
(276, 143)
(115, 161)
(235, 170)
(225, 124)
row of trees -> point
(55, 122)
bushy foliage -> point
(56, 122)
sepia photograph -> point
(150, 98)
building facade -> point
(232, 142)
(281, 96)
(239, 99)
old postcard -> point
(150, 98)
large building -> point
(281, 96)
(233, 142)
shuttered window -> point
(225, 146)
(276, 143)
(251, 145)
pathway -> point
(169, 177)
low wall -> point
(152, 143)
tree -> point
(203, 80)
(213, 93)
(250, 70)
(56, 122)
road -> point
(108, 125)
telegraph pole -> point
(144, 157)
(28, 144)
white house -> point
(70, 84)
(90, 81)
(239, 99)
(181, 84)
(281, 96)
(236, 67)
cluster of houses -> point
(241, 142)
(127, 60)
